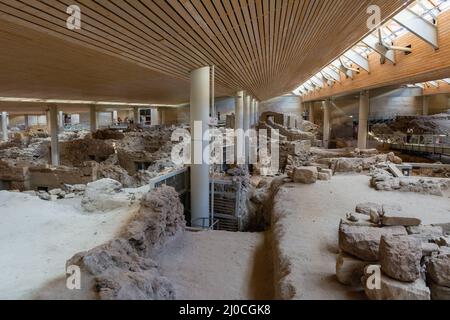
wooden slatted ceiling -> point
(266, 47)
(423, 64)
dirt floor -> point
(311, 234)
(219, 265)
(37, 238)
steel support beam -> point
(373, 42)
(419, 26)
(358, 59)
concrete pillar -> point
(253, 116)
(163, 116)
(26, 121)
(239, 125)
(257, 113)
(311, 112)
(200, 93)
(93, 118)
(54, 134)
(61, 120)
(115, 117)
(5, 126)
(301, 107)
(292, 121)
(154, 117)
(426, 105)
(136, 115)
(326, 124)
(364, 105)
(247, 106)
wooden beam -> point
(423, 64)
(444, 88)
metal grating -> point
(226, 205)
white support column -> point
(200, 93)
(326, 124)
(253, 112)
(311, 112)
(250, 114)
(301, 107)
(426, 105)
(26, 121)
(154, 117)
(364, 105)
(239, 125)
(257, 113)
(115, 117)
(247, 103)
(93, 118)
(54, 134)
(5, 126)
(61, 120)
(136, 115)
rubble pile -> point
(104, 195)
(383, 180)
(133, 158)
(306, 131)
(432, 172)
(434, 124)
(392, 256)
(126, 267)
(346, 161)
(261, 203)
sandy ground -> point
(37, 238)
(217, 265)
(311, 234)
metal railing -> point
(421, 143)
(178, 179)
(226, 199)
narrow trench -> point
(220, 265)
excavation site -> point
(225, 151)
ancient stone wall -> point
(125, 268)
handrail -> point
(166, 176)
